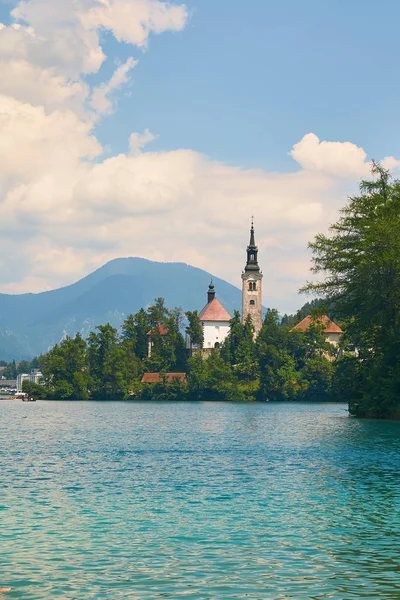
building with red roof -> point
(331, 330)
(215, 321)
(166, 377)
(158, 330)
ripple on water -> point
(199, 501)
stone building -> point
(252, 286)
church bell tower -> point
(252, 285)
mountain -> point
(33, 323)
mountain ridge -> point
(32, 323)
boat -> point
(25, 397)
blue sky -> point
(246, 79)
(233, 108)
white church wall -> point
(215, 331)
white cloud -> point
(62, 213)
(101, 100)
(133, 21)
(137, 141)
(391, 163)
(33, 143)
(342, 159)
(65, 33)
(30, 83)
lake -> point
(197, 501)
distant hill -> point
(33, 323)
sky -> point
(155, 129)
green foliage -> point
(317, 375)
(134, 333)
(212, 378)
(109, 366)
(64, 370)
(279, 365)
(313, 307)
(194, 329)
(36, 391)
(10, 372)
(106, 366)
(12, 369)
(360, 261)
(164, 391)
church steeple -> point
(211, 292)
(252, 251)
(252, 285)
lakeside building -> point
(215, 321)
(331, 330)
(8, 384)
(35, 376)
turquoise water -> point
(197, 501)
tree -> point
(245, 360)
(317, 375)
(134, 332)
(157, 313)
(64, 370)
(279, 377)
(24, 367)
(108, 376)
(233, 339)
(194, 329)
(10, 372)
(360, 261)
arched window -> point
(216, 345)
(250, 286)
(252, 303)
(255, 286)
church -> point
(215, 318)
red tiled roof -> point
(160, 328)
(169, 377)
(329, 326)
(214, 311)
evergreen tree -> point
(245, 355)
(279, 378)
(157, 313)
(142, 326)
(11, 372)
(64, 370)
(105, 357)
(194, 329)
(233, 339)
(360, 261)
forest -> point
(279, 365)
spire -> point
(252, 239)
(211, 292)
(252, 251)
